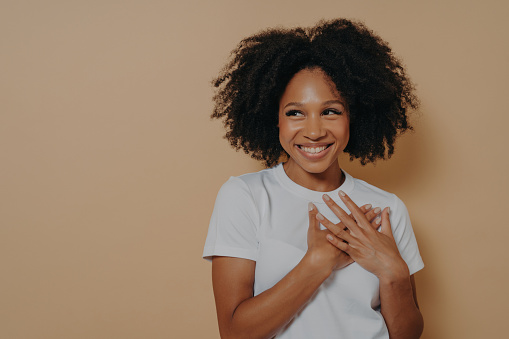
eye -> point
(293, 113)
(331, 111)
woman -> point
(288, 261)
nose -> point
(314, 128)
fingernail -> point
(330, 237)
(377, 210)
(368, 206)
(311, 206)
(341, 193)
(388, 210)
(378, 220)
(326, 197)
(319, 216)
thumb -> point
(386, 223)
(313, 223)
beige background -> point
(110, 164)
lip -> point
(315, 144)
(314, 156)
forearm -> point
(399, 307)
(264, 315)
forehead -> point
(310, 85)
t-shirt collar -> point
(314, 196)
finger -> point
(313, 223)
(373, 217)
(376, 223)
(338, 243)
(371, 214)
(346, 220)
(356, 211)
(366, 208)
(386, 223)
(337, 230)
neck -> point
(325, 181)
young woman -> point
(293, 255)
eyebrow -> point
(325, 103)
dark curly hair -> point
(361, 65)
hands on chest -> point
(354, 238)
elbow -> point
(229, 334)
(417, 325)
(416, 328)
(230, 331)
(227, 331)
(412, 328)
(414, 331)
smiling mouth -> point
(314, 150)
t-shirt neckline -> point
(314, 196)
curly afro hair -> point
(361, 65)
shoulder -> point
(245, 189)
(249, 183)
(234, 224)
(378, 195)
(364, 193)
(258, 178)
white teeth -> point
(313, 150)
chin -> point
(316, 168)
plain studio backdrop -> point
(110, 164)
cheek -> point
(287, 134)
(286, 131)
(347, 138)
(347, 132)
(342, 132)
(284, 137)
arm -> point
(240, 314)
(378, 253)
(400, 309)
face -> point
(313, 123)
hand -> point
(375, 251)
(320, 251)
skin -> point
(312, 114)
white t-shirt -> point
(263, 217)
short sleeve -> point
(234, 223)
(405, 237)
